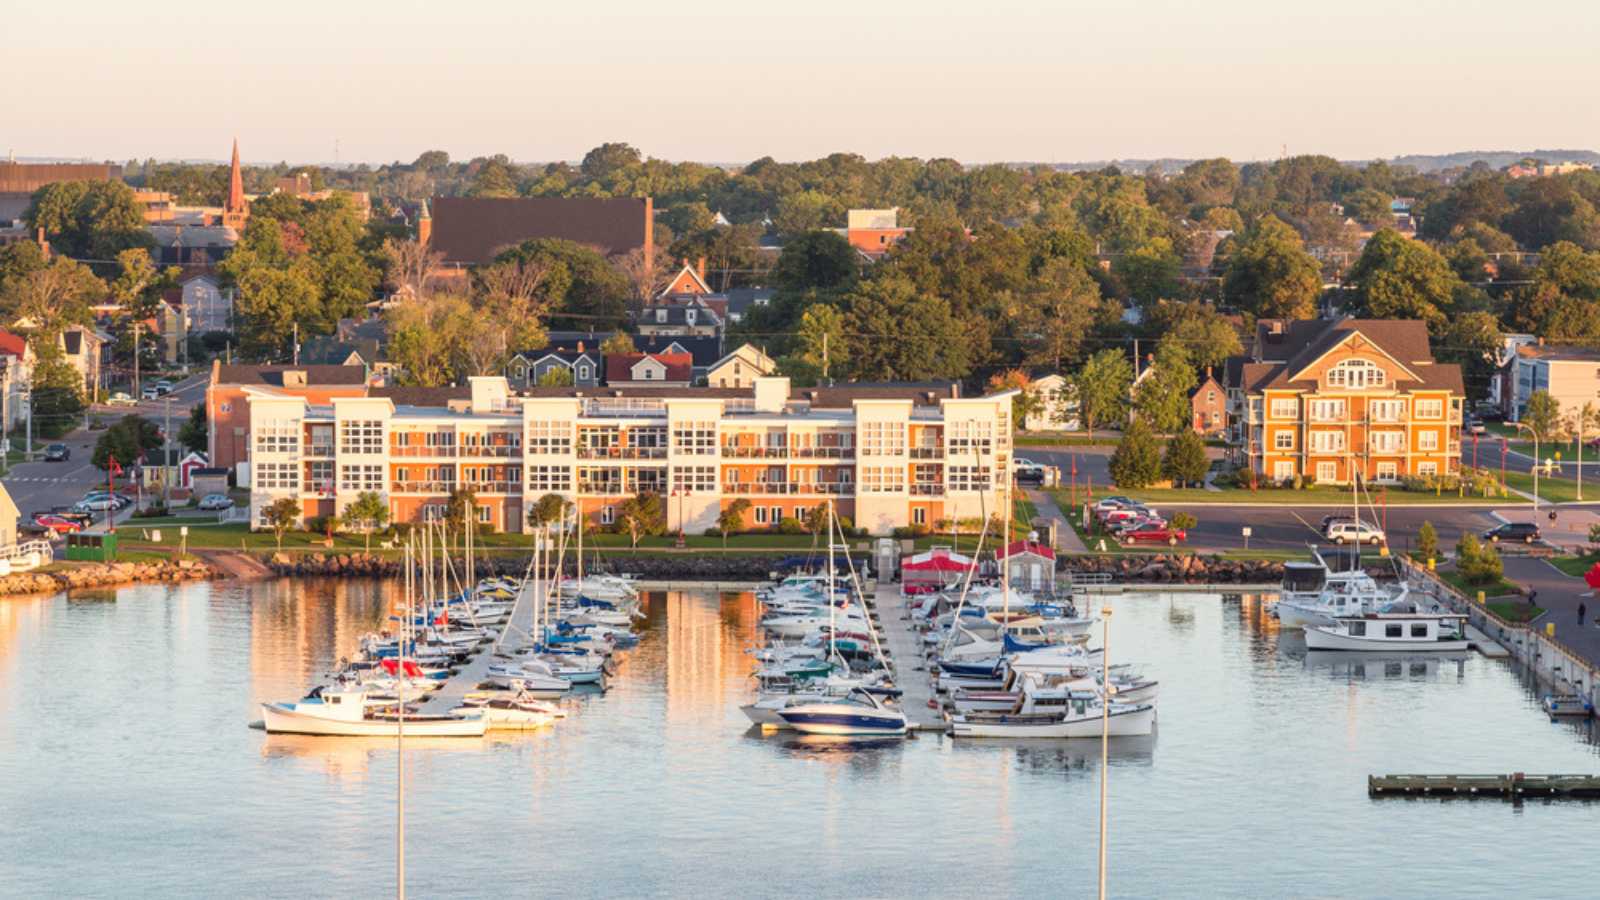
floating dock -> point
(1484, 644)
(475, 670)
(904, 646)
(1510, 787)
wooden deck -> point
(1513, 786)
(904, 646)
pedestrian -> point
(1581, 610)
(1533, 596)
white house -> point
(1053, 412)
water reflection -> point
(1068, 757)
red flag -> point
(112, 467)
(1593, 576)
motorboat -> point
(534, 676)
(1086, 717)
(518, 713)
(1566, 705)
(346, 714)
(1352, 593)
(856, 713)
(1422, 632)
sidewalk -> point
(1559, 596)
(1067, 540)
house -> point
(1031, 565)
(690, 281)
(207, 306)
(9, 514)
(1502, 387)
(1325, 399)
(16, 373)
(742, 300)
(530, 367)
(741, 368)
(1570, 374)
(233, 388)
(873, 231)
(208, 480)
(686, 317)
(170, 467)
(202, 246)
(1052, 411)
(470, 231)
(1208, 403)
(705, 350)
(84, 349)
(649, 369)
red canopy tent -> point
(922, 572)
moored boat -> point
(345, 713)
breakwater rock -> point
(348, 565)
(685, 567)
(103, 575)
(1178, 568)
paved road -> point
(41, 485)
(1559, 595)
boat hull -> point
(1294, 615)
(829, 722)
(1321, 638)
(280, 719)
(1134, 721)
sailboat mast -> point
(1005, 564)
(400, 736)
(580, 546)
(830, 582)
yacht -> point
(1425, 632)
(856, 713)
(1315, 594)
(1073, 710)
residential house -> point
(741, 368)
(529, 368)
(202, 246)
(1570, 374)
(233, 388)
(1502, 387)
(872, 232)
(1208, 403)
(685, 317)
(207, 306)
(742, 300)
(690, 281)
(1051, 411)
(705, 350)
(16, 374)
(649, 369)
(1324, 399)
(9, 514)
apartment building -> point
(888, 455)
(1325, 399)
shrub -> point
(909, 531)
(1477, 563)
(1183, 521)
(1428, 541)
(791, 525)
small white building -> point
(1030, 564)
(1053, 412)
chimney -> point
(1208, 371)
(700, 268)
(580, 346)
(44, 245)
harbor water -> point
(127, 769)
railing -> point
(22, 550)
(927, 453)
(493, 487)
(608, 488)
(499, 451)
(768, 488)
(319, 450)
(823, 452)
(927, 490)
(413, 451)
(758, 452)
(622, 453)
(835, 488)
(423, 487)
(624, 406)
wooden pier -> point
(1514, 786)
(904, 646)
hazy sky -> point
(719, 80)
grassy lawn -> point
(1514, 610)
(1312, 496)
(1494, 589)
(1064, 439)
(1553, 490)
(1575, 566)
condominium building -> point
(888, 455)
(1323, 399)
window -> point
(1388, 471)
(278, 476)
(1427, 468)
(278, 436)
(775, 514)
(1358, 629)
(361, 436)
(1327, 472)
(1327, 441)
(695, 438)
(320, 475)
(485, 514)
(697, 479)
(1283, 440)
(970, 436)
(549, 437)
(584, 372)
(1282, 470)
(1393, 629)
(1285, 408)
(1419, 629)
(883, 439)
(361, 478)
(882, 479)
(1211, 397)
(1430, 409)
(761, 515)
(550, 479)
(1387, 410)
(1388, 442)
(919, 515)
(1356, 374)
(967, 478)
(608, 515)
(1428, 440)
(1327, 410)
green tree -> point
(1183, 521)
(1543, 414)
(51, 298)
(1478, 563)
(556, 376)
(57, 394)
(1136, 462)
(429, 339)
(806, 211)
(1427, 541)
(95, 219)
(574, 281)
(820, 343)
(618, 342)
(281, 515)
(1270, 274)
(1185, 461)
(1207, 337)
(1370, 207)
(1398, 278)
(127, 439)
(607, 160)
(1100, 388)
(1058, 313)
(495, 178)
(1150, 272)
(731, 519)
(1162, 397)
(821, 260)
(368, 513)
(640, 515)
(549, 510)
(195, 432)
(1472, 340)
(461, 509)
(901, 334)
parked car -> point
(1112, 518)
(57, 453)
(102, 500)
(66, 512)
(1352, 532)
(57, 524)
(1114, 502)
(163, 386)
(150, 392)
(216, 501)
(1127, 525)
(1030, 476)
(1526, 532)
(1154, 533)
(120, 398)
(1021, 462)
(1328, 520)
(1476, 426)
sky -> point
(725, 81)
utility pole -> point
(297, 343)
(136, 396)
(824, 357)
(166, 445)
(27, 407)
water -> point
(126, 769)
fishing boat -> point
(1421, 632)
(1339, 594)
(345, 713)
(856, 713)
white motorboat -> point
(1085, 718)
(857, 713)
(1342, 594)
(535, 676)
(800, 626)
(507, 713)
(345, 714)
(1421, 632)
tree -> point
(821, 260)
(647, 276)
(901, 334)
(1136, 462)
(1543, 415)
(1472, 340)
(429, 339)
(94, 219)
(281, 515)
(640, 515)
(1059, 312)
(1185, 462)
(1150, 272)
(409, 266)
(1427, 541)
(548, 510)
(1100, 388)
(820, 343)
(495, 178)
(608, 159)
(556, 376)
(1270, 274)
(195, 432)
(1370, 207)
(51, 298)
(1397, 278)
(805, 211)
(1162, 397)
(1478, 563)
(575, 280)
(126, 440)
(731, 519)
(618, 342)
(1027, 402)
(461, 509)
(367, 512)
(1203, 333)
(1183, 521)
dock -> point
(903, 644)
(476, 669)
(1514, 786)
(1484, 644)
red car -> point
(1156, 533)
(57, 524)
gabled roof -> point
(1285, 353)
(761, 361)
(1208, 381)
(676, 284)
(706, 349)
(1018, 547)
(742, 300)
(13, 344)
(678, 314)
(326, 350)
(620, 366)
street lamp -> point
(1533, 431)
(680, 493)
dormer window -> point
(688, 316)
(583, 371)
(1356, 374)
(661, 316)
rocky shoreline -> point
(103, 575)
(1177, 568)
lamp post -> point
(1105, 735)
(680, 493)
(1504, 444)
(1535, 433)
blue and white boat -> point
(856, 713)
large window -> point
(695, 438)
(1327, 410)
(967, 478)
(1430, 409)
(1283, 440)
(549, 437)
(882, 479)
(278, 436)
(1428, 440)
(361, 478)
(1387, 410)
(1388, 441)
(698, 479)
(1356, 374)
(1327, 441)
(968, 436)
(361, 436)
(278, 476)
(1285, 408)
(550, 479)
(883, 439)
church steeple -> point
(234, 211)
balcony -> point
(927, 490)
(927, 453)
(622, 453)
(444, 451)
(833, 488)
(735, 451)
(320, 450)
(492, 451)
(605, 488)
(422, 487)
(823, 452)
(494, 487)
